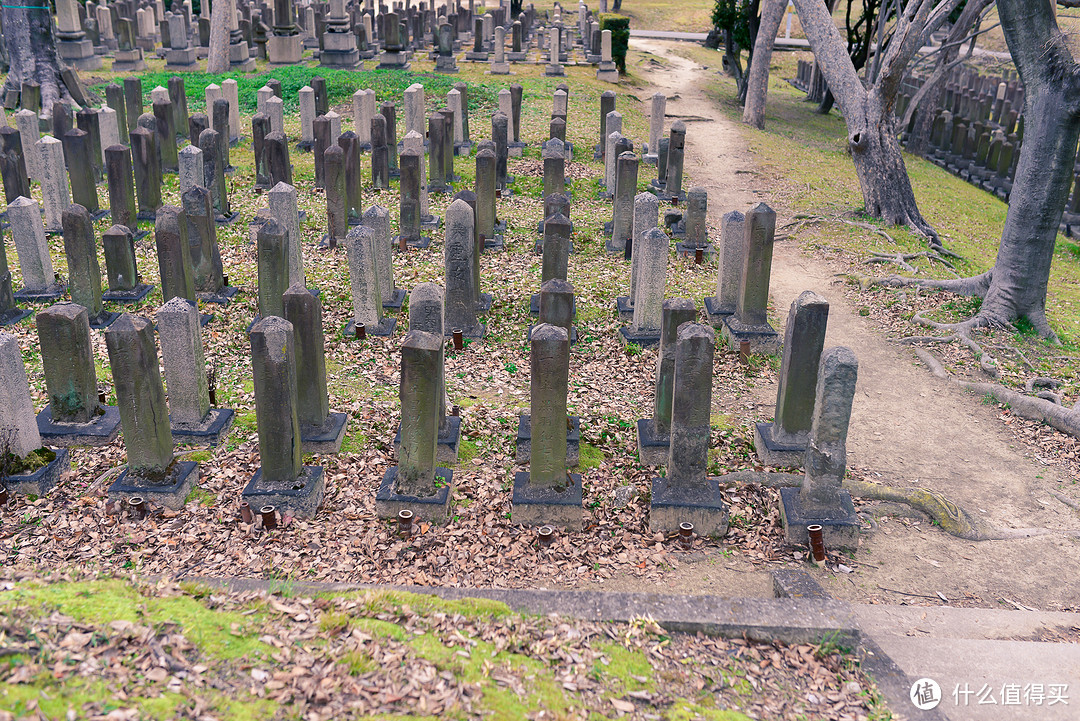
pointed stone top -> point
(128, 324)
(23, 201)
(467, 195)
(426, 292)
(678, 126)
(67, 309)
(359, 232)
(283, 187)
(420, 340)
(332, 114)
(655, 235)
(168, 217)
(118, 230)
(375, 213)
(413, 134)
(298, 290)
(50, 140)
(556, 285)
(459, 213)
(628, 155)
(546, 331)
(271, 227)
(177, 305)
(646, 198)
(688, 331)
(809, 298)
(453, 91)
(762, 209)
(275, 333)
(215, 86)
(486, 152)
(679, 304)
(608, 94)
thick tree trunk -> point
(757, 84)
(28, 35)
(1041, 187)
(1051, 80)
(217, 57)
(868, 113)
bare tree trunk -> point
(28, 36)
(217, 58)
(1051, 80)
(868, 110)
(757, 84)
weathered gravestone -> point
(821, 500)
(282, 481)
(74, 416)
(548, 439)
(783, 442)
(320, 430)
(654, 434)
(416, 483)
(36, 468)
(686, 494)
(151, 472)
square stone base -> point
(446, 64)
(772, 453)
(432, 221)
(326, 438)
(713, 312)
(643, 338)
(476, 57)
(840, 530)
(611, 247)
(222, 297)
(477, 332)
(554, 71)
(128, 296)
(608, 76)
(13, 315)
(495, 243)
(763, 339)
(43, 295)
(449, 441)
(537, 506)
(181, 59)
(42, 480)
(436, 509)
(103, 319)
(652, 449)
(211, 431)
(384, 328)
(396, 299)
(689, 250)
(624, 309)
(420, 243)
(300, 498)
(393, 61)
(129, 61)
(499, 68)
(101, 431)
(172, 492)
(517, 57)
(704, 507)
(524, 440)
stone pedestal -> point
(284, 49)
(523, 444)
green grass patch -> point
(589, 456)
(218, 634)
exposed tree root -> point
(950, 517)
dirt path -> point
(908, 426)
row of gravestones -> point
(280, 266)
(341, 34)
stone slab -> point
(14, 315)
(573, 334)
(652, 449)
(326, 438)
(128, 296)
(645, 339)
(42, 480)
(396, 300)
(223, 297)
(102, 431)
(432, 508)
(44, 296)
(420, 244)
(762, 342)
(384, 328)
(713, 313)
(705, 509)
(841, 531)
(172, 493)
(211, 432)
(537, 506)
(301, 499)
(524, 440)
(104, 320)
(772, 453)
(624, 309)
